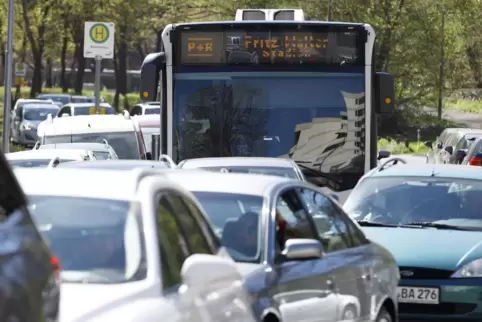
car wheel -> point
(384, 316)
(349, 313)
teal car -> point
(430, 218)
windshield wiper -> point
(367, 223)
(438, 226)
(330, 180)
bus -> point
(271, 84)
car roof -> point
(115, 164)
(237, 161)
(86, 124)
(33, 100)
(53, 95)
(46, 154)
(40, 105)
(147, 120)
(87, 104)
(236, 183)
(93, 146)
(77, 182)
(426, 170)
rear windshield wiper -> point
(330, 181)
(439, 226)
(367, 223)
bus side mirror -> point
(150, 69)
(384, 93)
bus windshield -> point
(316, 118)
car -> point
(473, 156)
(150, 124)
(116, 164)
(134, 246)
(428, 217)
(146, 108)
(303, 258)
(122, 133)
(456, 153)
(439, 143)
(76, 109)
(266, 166)
(59, 99)
(29, 271)
(26, 119)
(84, 99)
(45, 158)
(102, 151)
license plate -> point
(92, 110)
(421, 295)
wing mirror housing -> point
(428, 144)
(383, 154)
(302, 248)
(200, 270)
(449, 150)
(440, 145)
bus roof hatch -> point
(270, 14)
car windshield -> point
(152, 110)
(147, 132)
(38, 113)
(272, 171)
(403, 200)
(89, 110)
(33, 163)
(83, 99)
(97, 241)
(236, 221)
(124, 143)
(102, 155)
(58, 98)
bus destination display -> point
(266, 47)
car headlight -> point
(27, 127)
(472, 269)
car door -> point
(347, 252)
(302, 290)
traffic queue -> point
(121, 236)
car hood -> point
(430, 248)
(82, 302)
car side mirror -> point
(148, 156)
(449, 150)
(200, 270)
(428, 144)
(440, 145)
(302, 248)
(382, 154)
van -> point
(122, 133)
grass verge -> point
(468, 106)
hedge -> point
(132, 98)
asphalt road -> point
(472, 120)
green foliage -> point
(401, 148)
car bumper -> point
(460, 300)
(28, 138)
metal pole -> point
(98, 60)
(441, 69)
(8, 80)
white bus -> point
(271, 84)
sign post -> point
(98, 44)
(8, 80)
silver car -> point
(102, 151)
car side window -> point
(64, 110)
(334, 230)
(172, 243)
(292, 221)
(197, 243)
(461, 144)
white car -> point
(147, 108)
(149, 124)
(44, 158)
(281, 167)
(122, 133)
(102, 151)
(133, 247)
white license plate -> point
(421, 295)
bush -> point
(127, 101)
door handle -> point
(367, 277)
(330, 284)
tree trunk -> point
(79, 75)
(49, 82)
(115, 103)
(2, 55)
(63, 65)
(37, 76)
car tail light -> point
(476, 160)
(54, 261)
